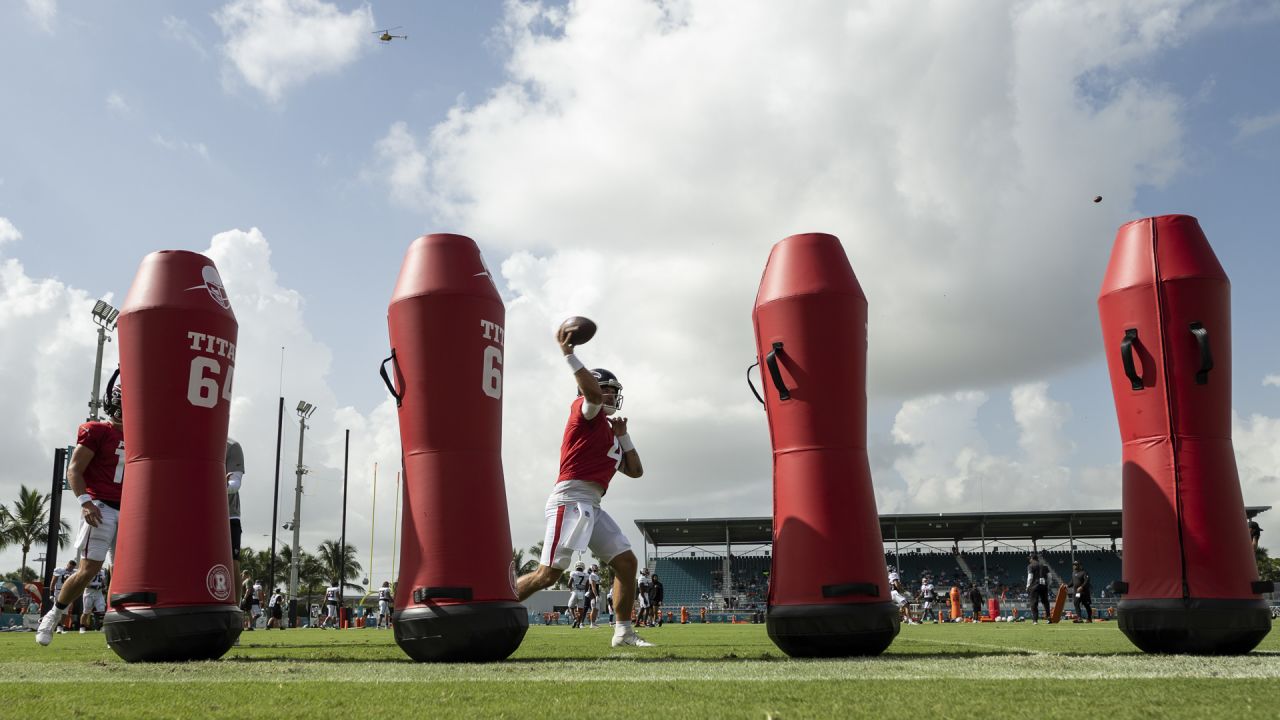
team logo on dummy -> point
(213, 283)
(218, 582)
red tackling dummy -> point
(455, 598)
(829, 590)
(172, 594)
(1188, 563)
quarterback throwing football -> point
(596, 445)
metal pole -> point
(1071, 535)
(342, 543)
(986, 582)
(728, 564)
(275, 498)
(297, 510)
(395, 526)
(55, 517)
(373, 516)
(897, 560)
(94, 401)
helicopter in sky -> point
(385, 36)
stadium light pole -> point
(104, 316)
(305, 410)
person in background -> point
(655, 601)
(1081, 588)
(975, 599)
(235, 475)
(1038, 588)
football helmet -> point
(112, 399)
(580, 565)
(609, 380)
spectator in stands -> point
(975, 599)
(1038, 587)
(1255, 533)
(1082, 591)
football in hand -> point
(580, 329)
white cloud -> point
(175, 145)
(180, 30)
(1257, 444)
(116, 103)
(1273, 380)
(1256, 125)
(949, 467)
(955, 158)
(643, 157)
(44, 13)
(275, 45)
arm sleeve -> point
(590, 410)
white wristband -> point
(625, 442)
(84, 498)
(574, 362)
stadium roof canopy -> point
(950, 527)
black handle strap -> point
(772, 361)
(856, 588)
(387, 379)
(423, 594)
(1126, 358)
(751, 384)
(1206, 356)
(136, 598)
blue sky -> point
(633, 162)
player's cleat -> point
(595, 626)
(630, 639)
(44, 632)
(83, 631)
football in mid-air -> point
(580, 329)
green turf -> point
(977, 671)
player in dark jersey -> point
(95, 476)
(595, 447)
(1038, 588)
(1082, 595)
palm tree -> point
(258, 563)
(531, 564)
(27, 524)
(340, 570)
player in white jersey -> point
(926, 598)
(898, 593)
(95, 606)
(255, 606)
(643, 586)
(276, 607)
(330, 606)
(385, 597)
(578, 584)
(593, 595)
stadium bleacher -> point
(689, 581)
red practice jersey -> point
(104, 477)
(590, 451)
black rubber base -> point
(1194, 627)
(833, 630)
(470, 632)
(178, 634)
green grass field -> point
(697, 671)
